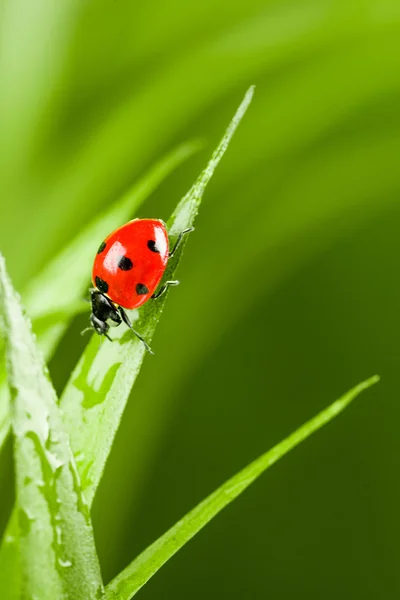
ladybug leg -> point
(179, 240)
(164, 288)
(91, 329)
(127, 322)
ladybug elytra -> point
(127, 270)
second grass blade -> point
(57, 549)
(134, 577)
(96, 394)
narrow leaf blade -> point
(95, 397)
(134, 577)
(57, 550)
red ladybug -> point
(127, 270)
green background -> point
(289, 291)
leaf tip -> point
(347, 398)
(248, 97)
(363, 385)
(250, 91)
(189, 148)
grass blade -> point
(129, 582)
(57, 550)
(95, 397)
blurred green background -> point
(290, 291)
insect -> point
(127, 271)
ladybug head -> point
(103, 311)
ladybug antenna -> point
(86, 330)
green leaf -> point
(129, 582)
(57, 549)
(51, 311)
(96, 395)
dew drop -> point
(79, 457)
(25, 521)
(10, 539)
(64, 563)
(54, 461)
(59, 535)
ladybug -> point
(127, 270)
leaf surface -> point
(129, 582)
(57, 549)
(96, 395)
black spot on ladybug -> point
(101, 285)
(141, 289)
(125, 263)
(152, 246)
(101, 247)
